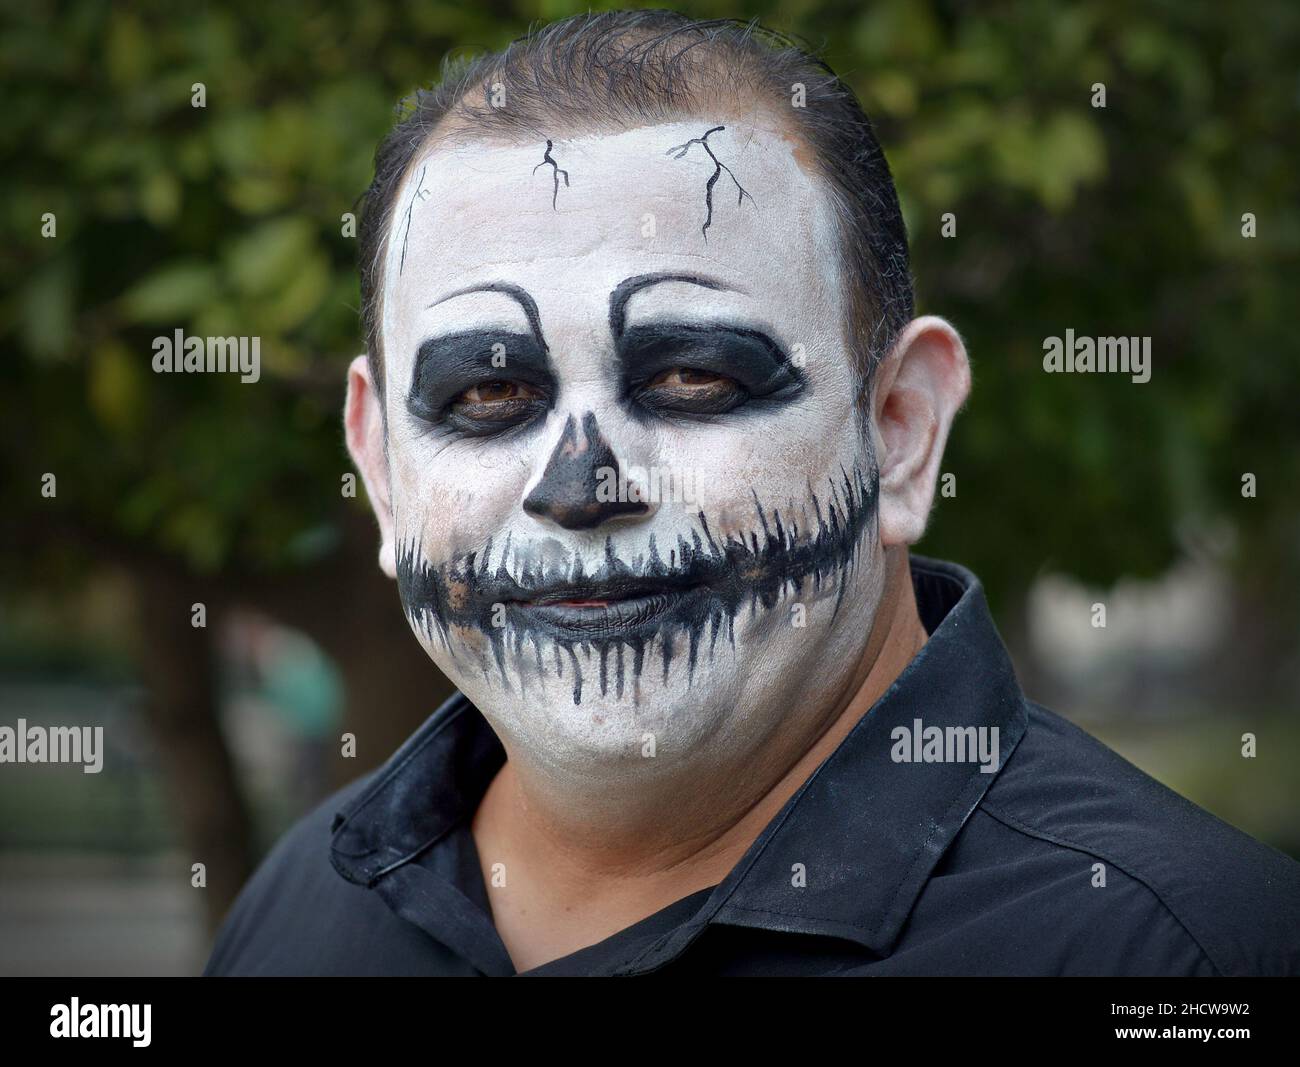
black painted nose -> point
(581, 486)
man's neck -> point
(620, 879)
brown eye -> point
(688, 377)
(495, 404)
(492, 399)
(490, 392)
(687, 390)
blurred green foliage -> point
(227, 220)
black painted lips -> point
(619, 609)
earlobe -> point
(922, 384)
(363, 424)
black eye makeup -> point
(490, 382)
(480, 382)
(696, 369)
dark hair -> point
(618, 69)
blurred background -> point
(230, 219)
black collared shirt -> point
(1066, 860)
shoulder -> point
(296, 914)
(1154, 860)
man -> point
(648, 426)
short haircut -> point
(622, 69)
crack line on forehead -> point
(406, 235)
(718, 168)
(557, 171)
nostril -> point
(575, 489)
(580, 514)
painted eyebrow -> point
(618, 299)
(627, 288)
(519, 295)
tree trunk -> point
(178, 668)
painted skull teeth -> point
(629, 606)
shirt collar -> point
(428, 785)
(867, 830)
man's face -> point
(630, 491)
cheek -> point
(776, 458)
(456, 496)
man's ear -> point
(363, 424)
(920, 386)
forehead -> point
(569, 223)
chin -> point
(621, 724)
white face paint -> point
(631, 494)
